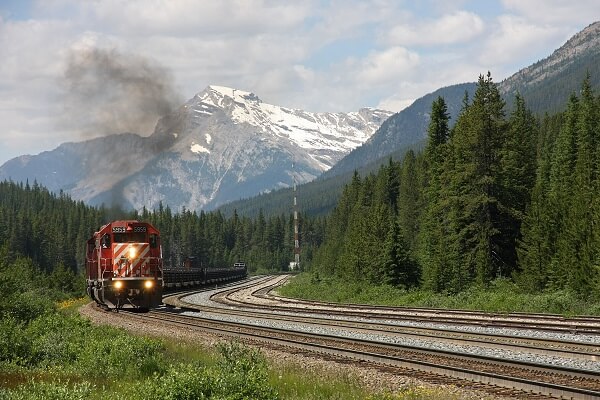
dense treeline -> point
(264, 243)
(561, 231)
(316, 198)
(494, 196)
(51, 230)
(48, 231)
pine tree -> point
(409, 200)
(575, 246)
(517, 178)
(560, 189)
(535, 249)
(432, 250)
(477, 138)
(399, 268)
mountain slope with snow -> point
(222, 145)
(322, 135)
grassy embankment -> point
(501, 296)
(48, 351)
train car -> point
(124, 265)
(192, 273)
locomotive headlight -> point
(148, 284)
(118, 284)
(132, 252)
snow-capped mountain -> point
(324, 136)
(223, 144)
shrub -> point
(180, 382)
(57, 339)
(113, 353)
(240, 373)
(15, 346)
(245, 372)
(49, 391)
(501, 295)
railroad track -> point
(437, 366)
(433, 365)
(540, 322)
(547, 347)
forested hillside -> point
(547, 84)
(315, 199)
(52, 230)
(496, 196)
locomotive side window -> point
(105, 241)
(153, 241)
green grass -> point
(60, 355)
(295, 382)
(48, 351)
(501, 296)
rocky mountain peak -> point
(586, 42)
(222, 96)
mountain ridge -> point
(176, 162)
(407, 129)
(221, 145)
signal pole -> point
(296, 230)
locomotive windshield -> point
(130, 237)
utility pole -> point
(296, 230)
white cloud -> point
(514, 38)
(382, 67)
(29, 49)
(454, 28)
(322, 56)
(558, 12)
(184, 17)
(395, 103)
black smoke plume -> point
(108, 92)
(111, 92)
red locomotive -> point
(124, 265)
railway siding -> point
(561, 355)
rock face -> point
(583, 44)
(223, 144)
(547, 84)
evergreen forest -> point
(494, 194)
(51, 231)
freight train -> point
(124, 267)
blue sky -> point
(317, 55)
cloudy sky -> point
(315, 55)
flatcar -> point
(192, 273)
(124, 265)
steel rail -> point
(328, 344)
(549, 347)
(491, 320)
